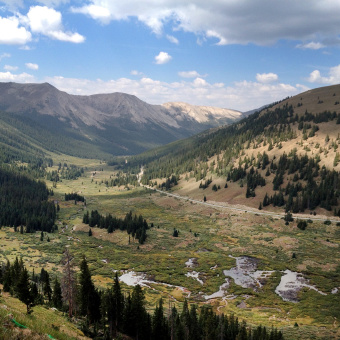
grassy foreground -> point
(40, 324)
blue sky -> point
(237, 54)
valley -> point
(243, 219)
(231, 260)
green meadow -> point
(207, 235)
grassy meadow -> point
(206, 234)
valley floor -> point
(239, 260)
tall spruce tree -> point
(89, 296)
(57, 299)
(159, 323)
(24, 290)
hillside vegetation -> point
(286, 155)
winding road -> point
(234, 208)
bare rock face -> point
(201, 114)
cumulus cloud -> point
(32, 66)
(266, 77)
(20, 78)
(43, 20)
(311, 45)
(189, 74)
(332, 79)
(48, 21)
(4, 55)
(162, 58)
(96, 12)
(172, 39)
(14, 4)
(241, 96)
(12, 33)
(10, 68)
(260, 22)
(220, 37)
(136, 73)
(53, 3)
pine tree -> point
(88, 295)
(7, 277)
(24, 290)
(57, 299)
(159, 324)
(140, 317)
(46, 286)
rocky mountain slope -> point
(118, 123)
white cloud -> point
(14, 4)
(11, 33)
(20, 78)
(67, 36)
(53, 3)
(332, 79)
(189, 74)
(162, 58)
(199, 82)
(172, 39)
(136, 73)
(4, 55)
(231, 22)
(10, 68)
(97, 12)
(241, 96)
(48, 21)
(266, 77)
(311, 45)
(220, 37)
(32, 66)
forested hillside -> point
(24, 203)
(291, 152)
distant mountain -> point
(250, 112)
(117, 123)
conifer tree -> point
(159, 324)
(89, 296)
(7, 277)
(57, 299)
(24, 290)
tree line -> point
(24, 202)
(133, 224)
(105, 314)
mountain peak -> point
(202, 114)
(117, 115)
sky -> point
(236, 54)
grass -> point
(42, 322)
(219, 233)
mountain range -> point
(113, 124)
